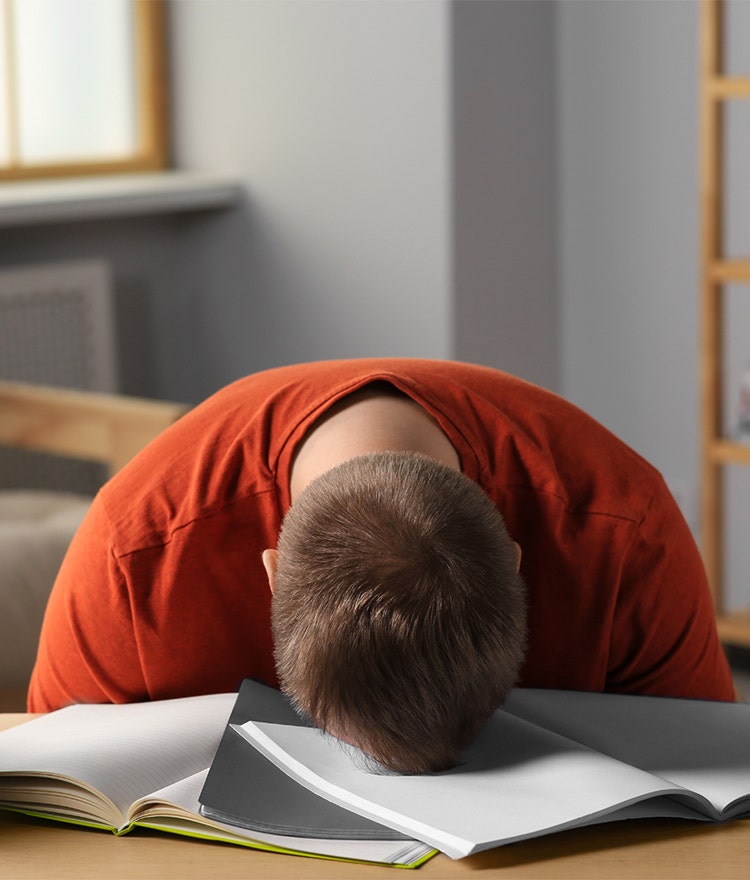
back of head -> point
(398, 612)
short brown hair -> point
(398, 612)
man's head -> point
(398, 611)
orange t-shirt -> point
(163, 594)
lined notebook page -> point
(124, 751)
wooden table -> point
(650, 850)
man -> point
(163, 592)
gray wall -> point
(629, 222)
(504, 187)
(400, 179)
(336, 117)
(629, 237)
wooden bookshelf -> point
(717, 451)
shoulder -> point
(216, 456)
(532, 440)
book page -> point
(176, 808)
(516, 781)
(124, 751)
(701, 745)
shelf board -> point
(723, 87)
(723, 451)
(726, 271)
(734, 628)
(25, 203)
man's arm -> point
(664, 638)
(87, 650)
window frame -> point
(152, 150)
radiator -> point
(57, 328)
(56, 325)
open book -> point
(144, 764)
(547, 761)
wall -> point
(400, 179)
(336, 117)
(504, 187)
(629, 223)
(629, 239)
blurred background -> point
(509, 183)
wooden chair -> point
(37, 526)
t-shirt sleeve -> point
(87, 649)
(664, 639)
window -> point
(82, 87)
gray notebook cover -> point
(244, 788)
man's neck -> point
(373, 419)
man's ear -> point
(270, 560)
(518, 556)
